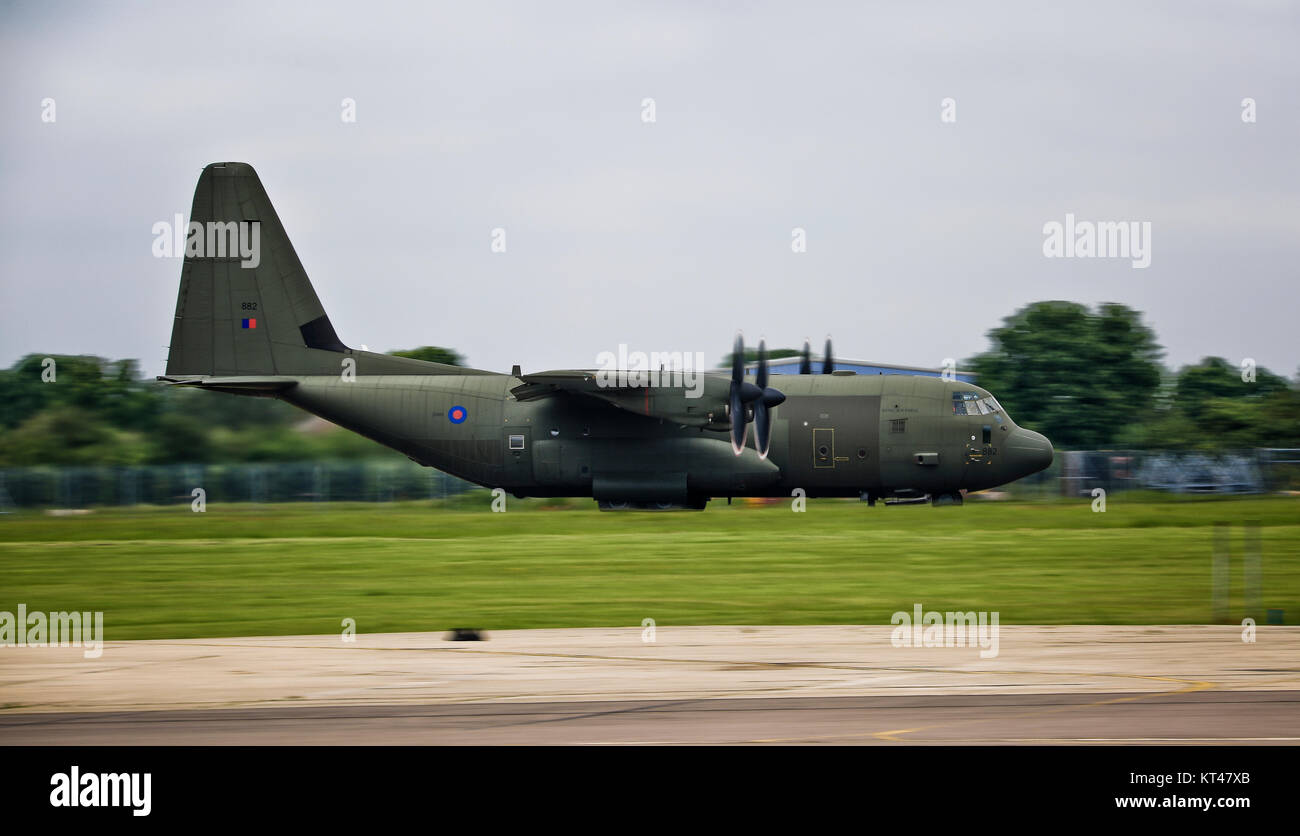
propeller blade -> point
(738, 426)
(736, 397)
(738, 360)
(747, 391)
(761, 380)
(828, 365)
(743, 392)
(762, 428)
(763, 411)
(805, 364)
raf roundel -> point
(457, 414)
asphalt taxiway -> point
(702, 685)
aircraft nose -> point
(1029, 451)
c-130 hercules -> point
(254, 326)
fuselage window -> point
(516, 442)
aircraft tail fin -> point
(245, 305)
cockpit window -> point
(970, 403)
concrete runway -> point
(1206, 717)
(697, 685)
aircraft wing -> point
(700, 404)
(546, 384)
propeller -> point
(742, 392)
(805, 361)
(763, 397)
(768, 399)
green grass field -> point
(285, 569)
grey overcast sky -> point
(921, 235)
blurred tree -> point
(433, 354)
(1076, 375)
(1210, 407)
(232, 411)
(1279, 419)
(68, 435)
(180, 438)
(1214, 377)
(109, 389)
(98, 411)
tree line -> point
(1087, 378)
(1091, 379)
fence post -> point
(1252, 572)
(1219, 573)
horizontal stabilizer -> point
(236, 385)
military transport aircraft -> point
(248, 322)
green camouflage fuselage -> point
(249, 322)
